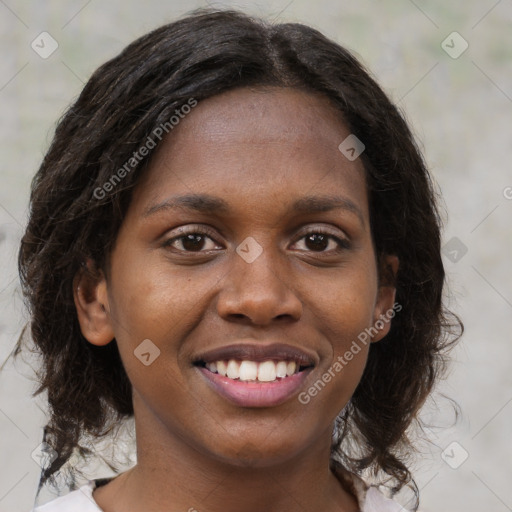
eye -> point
(192, 239)
(323, 241)
(201, 239)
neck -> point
(171, 472)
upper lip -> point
(257, 352)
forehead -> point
(263, 115)
(262, 139)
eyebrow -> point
(208, 204)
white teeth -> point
(221, 368)
(281, 369)
(248, 370)
(291, 367)
(233, 369)
(266, 371)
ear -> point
(385, 308)
(92, 307)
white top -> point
(370, 499)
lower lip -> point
(256, 394)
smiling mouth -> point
(255, 374)
(252, 384)
(254, 371)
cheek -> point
(150, 300)
(156, 300)
(152, 309)
(344, 308)
(344, 304)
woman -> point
(234, 239)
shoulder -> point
(80, 500)
(369, 498)
(375, 501)
(372, 500)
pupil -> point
(193, 242)
(314, 239)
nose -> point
(258, 293)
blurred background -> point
(448, 66)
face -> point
(246, 249)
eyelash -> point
(343, 244)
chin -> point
(259, 453)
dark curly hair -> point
(200, 56)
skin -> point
(259, 150)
